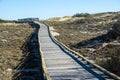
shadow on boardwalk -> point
(30, 67)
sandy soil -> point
(53, 31)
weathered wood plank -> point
(62, 66)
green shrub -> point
(81, 15)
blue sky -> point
(43, 9)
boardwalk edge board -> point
(85, 59)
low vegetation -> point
(96, 36)
(81, 15)
(12, 38)
(6, 21)
(109, 58)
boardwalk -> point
(61, 64)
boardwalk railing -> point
(83, 58)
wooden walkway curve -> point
(61, 64)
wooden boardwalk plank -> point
(59, 64)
